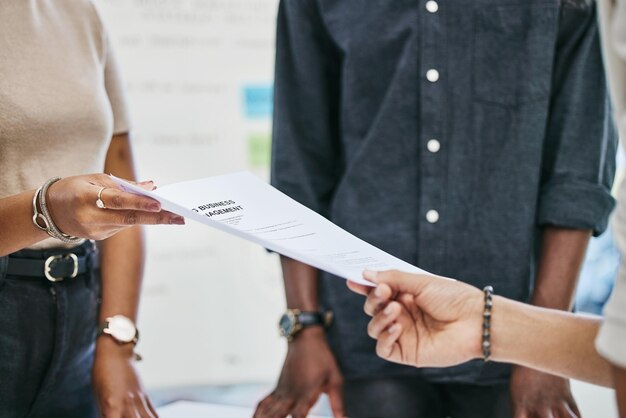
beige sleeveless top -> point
(60, 94)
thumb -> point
(146, 185)
(399, 281)
(107, 181)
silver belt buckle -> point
(48, 267)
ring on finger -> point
(100, 203)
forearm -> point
(300, 285)
(122, 255)
(122, 259)
(552, 341)
(17, 230)
(562, 254)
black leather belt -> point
(56, 267)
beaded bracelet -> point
(39, 201)
(488, 290)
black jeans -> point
(47, 341)
(415, 398)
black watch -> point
(294, 321)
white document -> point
(185, 409)
(243, 205)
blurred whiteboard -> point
(199, 78)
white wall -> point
(211, 302)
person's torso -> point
(55, 116)
(443, 119)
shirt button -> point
(433, 145)
(432, 75)
(432, 6)
(432, 216)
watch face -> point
(122, 328)
(286, 325)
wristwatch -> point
(120, 328)
(293, 321)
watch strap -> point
(101, 328)
(311, 319)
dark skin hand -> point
(116, 382)
(310, 368)
(535, 394)
(542, 395)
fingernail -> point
(388, 310)
(154, 207)
(178, 220)
(378, 292)
(146, 182)
(370, 275)
(393, 329)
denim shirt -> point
(445, 133)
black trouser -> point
(47, 335)
(416, 398)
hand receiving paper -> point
(423, 320)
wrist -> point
(477, 324)
(119, 328)
(106, 345)
(54, 227)
(52, 202)
(294, 321)
(308, 335)
(510, 325)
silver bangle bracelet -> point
(50, 227)
(38, 216)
